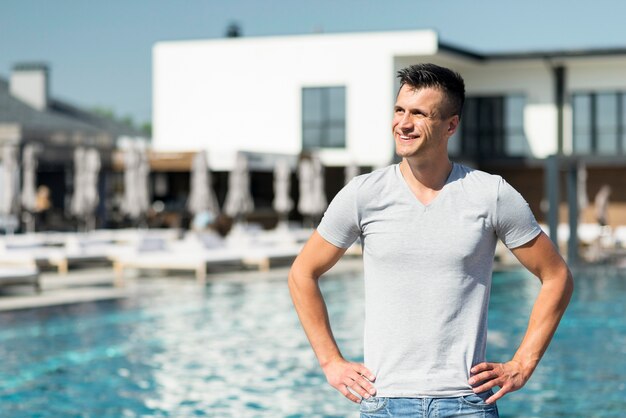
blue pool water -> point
(235, 349)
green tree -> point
(146, 128)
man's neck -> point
(426, 175)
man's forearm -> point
(347, 377)
(544, 319)
(311, 308)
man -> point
(429, 230)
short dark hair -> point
(421, 76)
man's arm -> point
(316, 258)
(543, 260)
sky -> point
(100, 52)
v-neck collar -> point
(412, 195)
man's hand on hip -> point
(342, 374)
(508, 376)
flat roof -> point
(565, 53)
(441, 45)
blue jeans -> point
(466, 406)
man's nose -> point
(405, 123)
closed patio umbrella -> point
(143, 181)
(131, 161)
(91, 195)
(29, 173)
(312, 202)
(305, 185)
(85, 198)
(29, 194)
(136, 200)
(601, 203)
(9, 185)
(238, 198)
(282, 183)
(318, 186)
(77, 205)
(201, 196)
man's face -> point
(421, 122)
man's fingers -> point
(483, 377)
(364, 371)
(344, 390)
(367, 386)
(497, 395)
(359, 390)
(482, 367)
(359, 385)
(364, 383)
(485, 387)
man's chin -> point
(404, 153)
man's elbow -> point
(570, 284)
(567, 282)
(298, 273)
(292, 277)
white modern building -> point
(334, 93)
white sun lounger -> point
(171, 260)
(60, 257)
(197, 259)
(20, 275)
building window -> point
(493, 126)
(515, 142)
(323, 117)
(599, 123)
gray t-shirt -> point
(427, 272)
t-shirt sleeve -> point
(340, 223)
(515, 222)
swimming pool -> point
(236, 349)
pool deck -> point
(97, 284)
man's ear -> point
(453, 124)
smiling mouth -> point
(406, 138)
